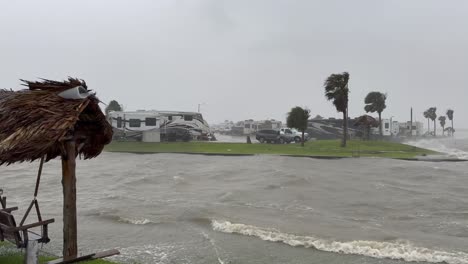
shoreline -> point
(425, 159)
(323, 149)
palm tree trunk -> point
(302, 141)
(380, 124)
(453, 131)
(428, 126)
(434, 128)
(345, 129)
(443, 131)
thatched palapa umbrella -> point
(54, 119)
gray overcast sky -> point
(244, 58)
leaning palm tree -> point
(450, 117)
(375, 102)
(336, 89)
(442, 123)
(427, 116)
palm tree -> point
(427, 116)
(336, 89)
(375, 102)
(442, 123)
(297, 119)
(450, 117)
(433, 116)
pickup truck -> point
(296, 135)
(272, 136)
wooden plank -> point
(105, 254)
(37, 224)
(98, 255)
(70, 245)
(10, 209)
(71, 260)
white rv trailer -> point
(162, 121)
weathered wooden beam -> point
(70, 243)
(98, 255)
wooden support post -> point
(32, 252)
(70, 245)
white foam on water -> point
(212, 241)
(149, 253)
(135, 221)
(442, 146)
(391, 250)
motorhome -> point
(171, 125)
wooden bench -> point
(20, 235)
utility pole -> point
(411, 123)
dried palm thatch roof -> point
(35, 121)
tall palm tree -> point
(375, 102)
(427, 116)
(433, 116)
(442, 123)
(336, 90)
(450, 117)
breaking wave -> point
(455, 148)
(391, 250)
(135, 221)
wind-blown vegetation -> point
(442, 123)
(450, 117)
(375, 102)
(297, 119)
(318, 148)
(337, 90)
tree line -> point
(431, 114)
(337, 90)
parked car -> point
(294, 133)
(272, 136)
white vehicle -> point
(183, 124)
(297, 135)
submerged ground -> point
(319, 148)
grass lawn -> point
(9, 254)
(318, 148)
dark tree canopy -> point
(426, 114)
(375, 102)
(113, 106)
(442, 120)
(336, 89)
(450, 114)
(431, 112)
(297, 118)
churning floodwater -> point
(170, 208)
